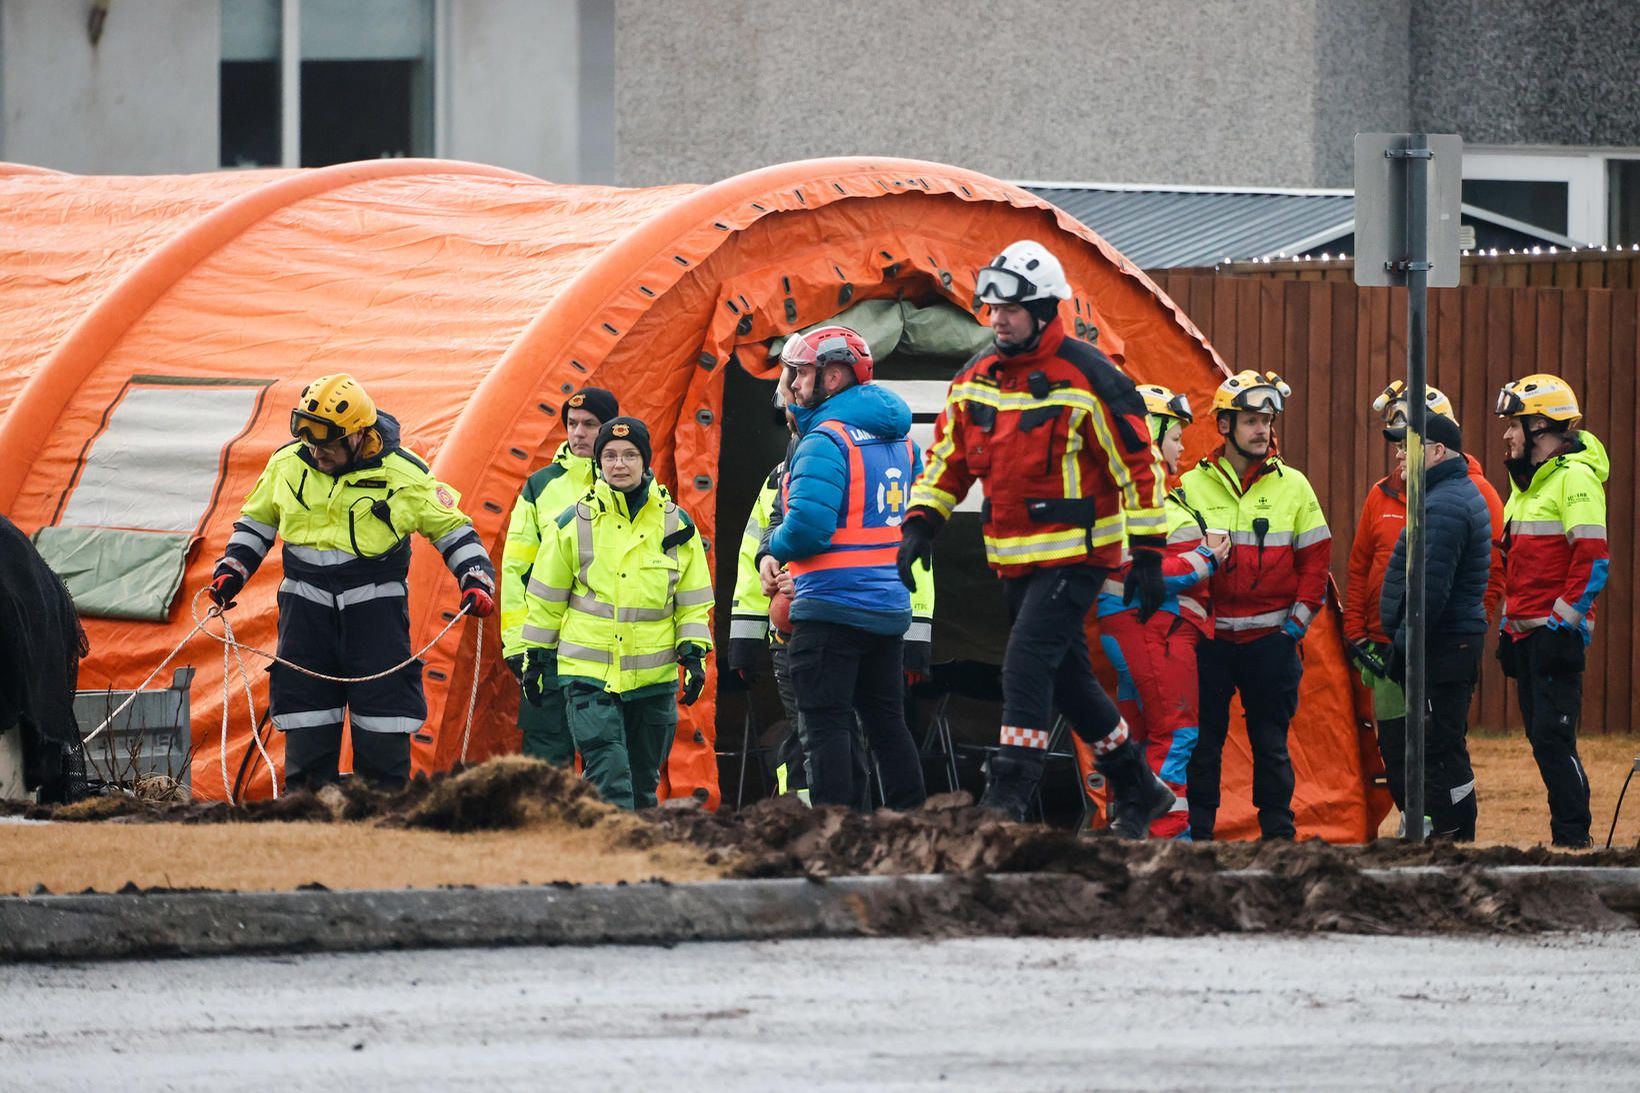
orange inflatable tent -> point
(155, 330)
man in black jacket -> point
(1458, 545)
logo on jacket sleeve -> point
(445, 497)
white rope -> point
(229, 643)
(472, 696)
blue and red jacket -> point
(847, 490)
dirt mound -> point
(503, 794)
(783, 838)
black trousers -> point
(1046, 664)
(1451, 667)
(381, 759)
(1550, 706)
(839, 673)
(1266, 673)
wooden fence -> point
(1338, 345)
(1583, 268)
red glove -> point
(478, 602)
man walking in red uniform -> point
(1056, 435)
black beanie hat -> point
(623, 428)
(596, 401)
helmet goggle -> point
(1510, 404)
(996, 285)
(313, 429)
(1263, 399)
(835, 350)
(1179, 406)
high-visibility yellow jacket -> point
(352, 531)
(616, 594)
(749, 615)
(546, 494)
(1554, 540)
(1276, 575)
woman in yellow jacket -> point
(618, 599)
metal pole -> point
(1417, 220)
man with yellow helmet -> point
(1155, 657)
(1383, 518)
(1555, 564)
(1271, 586)
(346, 496)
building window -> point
(313, 82)
(1557, 193)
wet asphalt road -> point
(1233, 1012)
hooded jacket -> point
(1554, 540)
(1383, 516)
(822, 490)
(352, 529)
(1458, 558)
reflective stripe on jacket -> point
(749, 613)
(616, 594)
(1554, 540)
(1276, 575)
(1187, 564)
(546, 494)
(1058, 439)
(348, 533)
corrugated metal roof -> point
(1166, 228)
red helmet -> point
(830, 345)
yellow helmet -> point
(1539, 393)
(1392, 403)
(1263, 392)
(1163, 402)
(330, 408)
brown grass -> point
(1513, 808)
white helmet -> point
(1024, 271)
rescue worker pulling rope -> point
(345, 497)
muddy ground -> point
(1107, 887)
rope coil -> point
(230, 645)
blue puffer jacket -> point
(1458, 553)
(867, 599)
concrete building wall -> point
(1555, 72)
(1213, 92)
(143, 100)
(514, 73)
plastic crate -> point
(150, 736)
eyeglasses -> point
(620, 457)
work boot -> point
(1137, 794)
(1012, 775)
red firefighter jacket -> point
(1057, 437)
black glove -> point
(1144, 583)
(1507, 655)
(1561, 650)
(916, 544)
(224, 587)
(694, 673)
(540, 672)
(1395, 664)
(515, 665)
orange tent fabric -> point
(468, 300)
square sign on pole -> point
(1381, 206)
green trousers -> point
(546, 729)
(622, 740)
